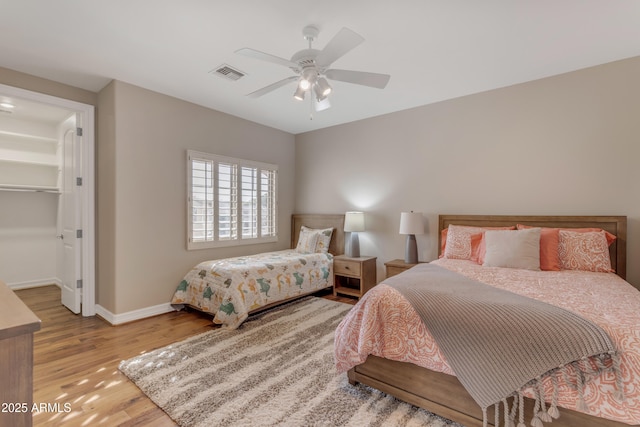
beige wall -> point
(565, 145)
(144, 137)
(105, 197)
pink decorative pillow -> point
(458, 244)
(586, 251)
(463, 242)
(610, 237)
(443, 241)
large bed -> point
(231, 289)
(384, 344)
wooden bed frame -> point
(613, 224)
(443, 394)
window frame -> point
(238, 165)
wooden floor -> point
(76, 362)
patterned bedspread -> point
(384, 324)
(230, 288)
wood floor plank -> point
(76, 376)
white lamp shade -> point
(411, 223)
(354, 221)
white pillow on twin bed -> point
(312, 240)
(513, 248)
(307, 242)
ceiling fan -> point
(312, 67)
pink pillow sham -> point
(586, 251)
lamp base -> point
(411, 250)
(353, 249)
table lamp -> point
(411, 224)
(353, 223)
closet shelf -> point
(32, 188)
(29, 136)
(31, 162)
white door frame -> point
(87, 189)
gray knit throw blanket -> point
(499, 343)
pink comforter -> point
(384, 324)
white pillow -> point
(307, 242)
(324, 239)
(313, 240)
(513, 248)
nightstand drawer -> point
(346, 267)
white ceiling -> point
(433, 50)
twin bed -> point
(383, 342)
(231, 289)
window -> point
(231, 201)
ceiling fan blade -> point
(273, 86)
(340, 44)
(256, 54)
(359, 77)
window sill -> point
(230, 243)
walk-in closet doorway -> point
(47, 213)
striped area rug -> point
(275, 370)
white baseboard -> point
(130, 316)
(35, 283)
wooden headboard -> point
(613, 224)
(336, 246)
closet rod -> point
(27, 188)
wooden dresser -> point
(17, 325)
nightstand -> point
(353, 276)
(397, 266)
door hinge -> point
(79, 284)
(79, 131)
(79, 181)
(79, 234)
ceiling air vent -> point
(228, 72)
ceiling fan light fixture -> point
(304, 84)
(322, 88)
(322, 104)
(299, 93)
(309, 78)
(320, 98)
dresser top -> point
(15, 317)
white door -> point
(70, 216)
